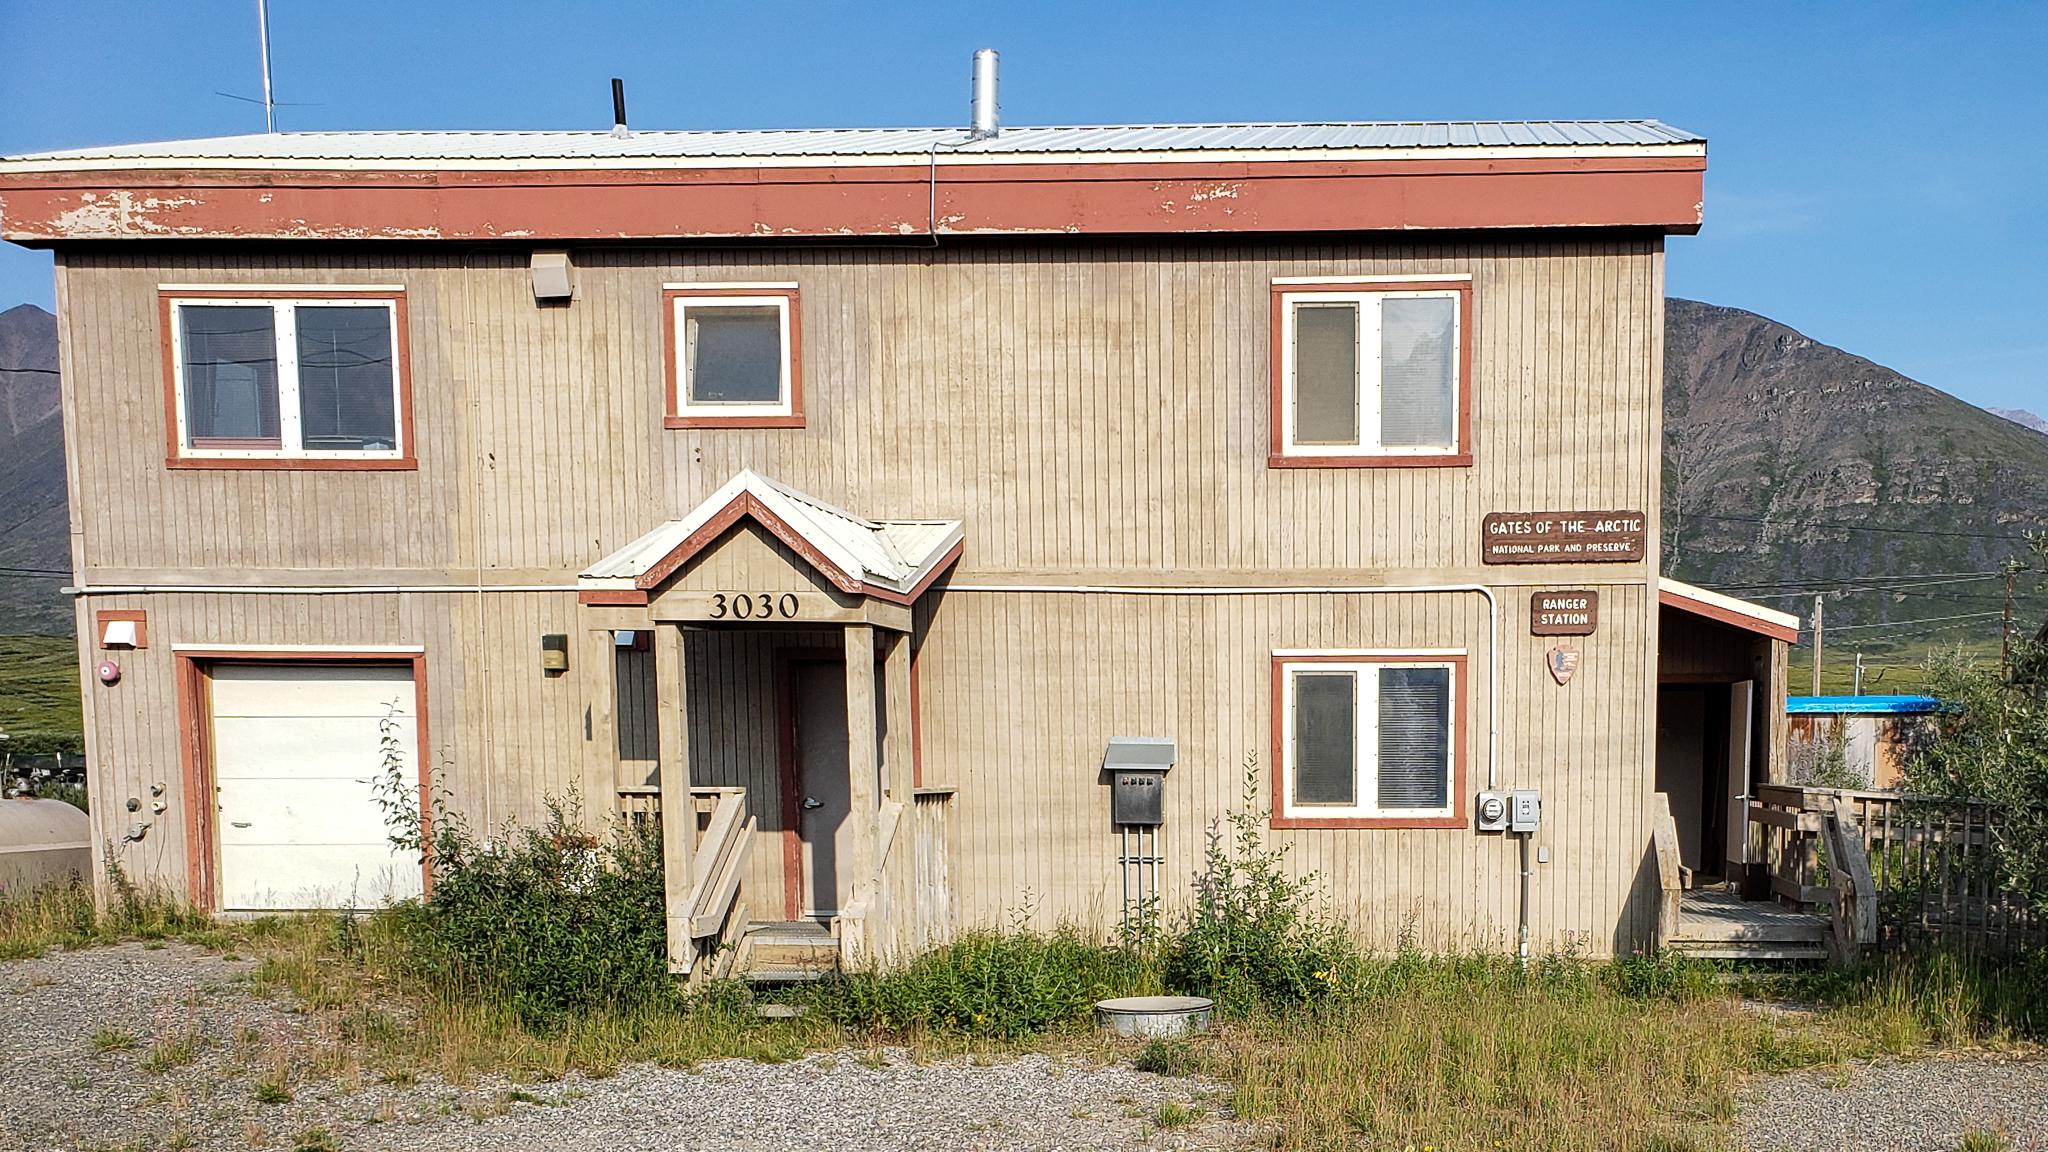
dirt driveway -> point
(146, 1047)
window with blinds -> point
(296, 378)
(1367, 739)
(1370, 373)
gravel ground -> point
(1918, 1104)
(136, 1047)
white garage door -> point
(295, 748)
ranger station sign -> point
(1562, 538)
(1575, 612)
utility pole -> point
(2012, 567)
(1819, 611)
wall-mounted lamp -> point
(554, 652)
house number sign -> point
(1562, 537)
(753, 606)
(1575, 612)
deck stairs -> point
(1720, 925)
(787, 952)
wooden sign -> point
(1571, 613)
(1562, 537)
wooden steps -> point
(788, 952)
(1716, 925)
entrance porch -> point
(762, 710)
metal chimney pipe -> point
(619, 107)
(986, 123)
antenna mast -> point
(263, 34)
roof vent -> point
(619, 108)
(985, 120)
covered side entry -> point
(1721, 685)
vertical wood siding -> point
(1092, 411)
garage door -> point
(295, 748)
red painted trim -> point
(194, 703)
(612, 597)
(174, 456)
(1277, 455)
(673, 417)
(1653, 192)
(1460, 750)
(136, 616)
(1684, 603)
(745, 504)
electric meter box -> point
(1525, 810)
(1137, 768)
(1491, 812)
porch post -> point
(599, 666)
(863, 767)
(896, 765)
(678, 816)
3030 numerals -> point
(754, 606)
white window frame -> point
(285, 329)
(1369, 351)
(685, 406)
(1365, 729)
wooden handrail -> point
(716, 869)
(1670, 873)
(1855, 894)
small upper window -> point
(733, 356)
(303, 378)
(1370, 374)
(1364, 740)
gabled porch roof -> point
(893, 560)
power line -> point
(1859, 578)
(1843, 526)
(1909, 623)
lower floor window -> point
(1367, 738)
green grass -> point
(39, 693)
(1889, 669)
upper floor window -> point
(733, 359)
(1371, 373)
(1367, 740)
(299, 378)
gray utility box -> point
(1137, 768)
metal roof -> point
(1861, 705)
(1169, 140)
(1742, 613)
(893, 554)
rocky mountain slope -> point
(33, 526)
(1791, 466)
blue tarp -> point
(1861, 705)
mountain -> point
(34, 532)
(2022, 417)
(1791, 466)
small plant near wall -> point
(1258, 936)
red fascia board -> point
(1663, 193)
(1719, 615)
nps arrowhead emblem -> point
(1562, 660)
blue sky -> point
(1877, 172)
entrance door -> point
(295, 748)
(824, 798)
(1693, 772)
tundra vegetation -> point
(542, 956)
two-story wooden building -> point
(853, 490)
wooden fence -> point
(1931, 861)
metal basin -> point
(1154, 1015)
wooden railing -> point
(1670, 874)
(907, 906)
(714, 911)
(1929, 864)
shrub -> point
(550, 920)
(987, 983)
(1256, 937)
